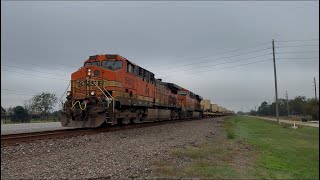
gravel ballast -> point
(112, 155)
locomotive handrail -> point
(65, 91)
(112, 99)
(103, 93)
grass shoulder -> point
(248, 148)
(285, 152)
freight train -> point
(110, 89)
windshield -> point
(183, 93)
(94, 63)
(112, 65)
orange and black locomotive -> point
(110, 89)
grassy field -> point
(250, 148)
(285, 152)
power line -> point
(221, 63)
(4, 89)
(220, 58)
(299, 46)
(11, 91)
(225, 67)
(300, 58)
(35, 75)
(22, 94)
(296, 52)
(237, 55)
(229, 51)
(297, 40)
(31, 64)
(34, 70)
(247, 48)
(40, 61)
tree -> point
(299, 106)
(296, 105)
(253, 113)
(29, 106)
(44, 102)
(20, 115)
(264, 109)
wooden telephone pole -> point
(287, 103)
(315, 88)
(275, 81)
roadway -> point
(311, 124)
(30, 127)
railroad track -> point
(15, 139)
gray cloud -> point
(59, 36)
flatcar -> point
(110, 89)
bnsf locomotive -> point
(110, 89)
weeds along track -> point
(16, 139)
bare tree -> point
(29, 106)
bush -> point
(20, 115)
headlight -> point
(68, 93)
(89, 72)
(93, 93)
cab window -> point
(130, 67)
(112, 64)
(93, 63)
(183, 93)
(140, 72)
(146, 76)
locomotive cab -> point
(91, 102)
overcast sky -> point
(220, 50)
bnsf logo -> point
(91, 83)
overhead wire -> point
(297, 40)
(238, 60)
(34, 75)
(305, 45)
(225, 52)
(222, 68)
(212, 56)
(34, 70)
(295, 52)
(32, 65)
(234, 51)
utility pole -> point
(287, 103)
(315, 88)
(275, 81)
(315, 94)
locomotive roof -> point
(174, 86)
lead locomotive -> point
(110, 89)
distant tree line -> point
(299, 106)
(40, 106)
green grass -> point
(250, 149)
(285, 152)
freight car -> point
(110, 89)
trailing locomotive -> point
(110, 89)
